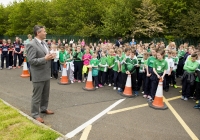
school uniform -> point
(170, 63)
(62, 58)
(173, 73)
(142, 75)
(139, 58)
(150, 62)
(103, 68)
(188, 78)
(4, 49)
(130, 65)
(78, 65)
(181, 62)
(17, 48)
(197, 81)
(160, 66)
(70, 67)
(110, 73)
(116, 74)
(54, 64)
(94, 62)
(10, 55)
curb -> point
(34, 121)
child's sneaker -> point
(72, 81)
(182, 97)
(144, 96)
(180, 91)
(100, 85)
(149, 97)
(197, 101)
(97, 87)
(136, 93)
(75, 80)
(114, 88)
(84, 80)
(14, 67)
(142, 92)
(175, 86)
(79, 81)
(197, 106)
(19, 67)
(109, 85)
(185, 99)
(150, 100)
(118, 88)
(171, 85)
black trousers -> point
(179, 71)
(16, 55)
(117, 79)
(154, 84)
(133, 81)
(110, 76)
(123, 80)
(22, 58)
(102, 77)
(141, 81)
(78, 65)
(147, 89)
(173, 78)
(168, 79)
(10, 58)
(4, 56)
(197, 91)
(96, 80)
(185, 87)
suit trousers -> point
(40, 97)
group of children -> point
(147, 64)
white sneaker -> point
(149, 97)
(185, 99)
(97, 87)
(144, 96)
(118, 88)
(142, 92)
(72, 81)
(109, 85)
(182, 97)
(59, 70)
(114, 88)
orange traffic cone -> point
(64, 79)
(25, 72)
(89, 84)
(128, 88)
(158, 100)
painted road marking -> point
(86, 132)
(126, 109)
(173, 98)
(178, 117)
(83, 126)
(138, 106)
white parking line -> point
(83, 126)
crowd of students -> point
(111, 64)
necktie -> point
(44, 46)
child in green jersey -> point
(62, 57)
(160, 66)
(94, 62)
(117, 69)
(70, 65)
(78, 64)
(110, 73)
(130, 67)
(188, 76)
(149, 73)
(123, 70)
(103, 68)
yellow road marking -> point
(178, 117)
(86, 132)
(126, 109)
(173, 98)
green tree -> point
(148, 21)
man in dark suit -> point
(40, 68)
(118, 42)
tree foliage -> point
(105, 18)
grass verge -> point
(14, 126)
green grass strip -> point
(14, 126)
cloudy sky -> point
(5, 2)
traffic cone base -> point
(128, 88)
(89, 83)
(25, 72)
(158, 100)
(64, 79)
